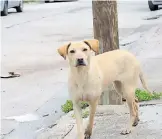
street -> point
(32, 102)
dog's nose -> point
(80, 60)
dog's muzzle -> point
(80, 62)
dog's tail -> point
(141, 76)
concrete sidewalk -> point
(109, 122)
(110, 125)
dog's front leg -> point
(79, 121)
(88, 131)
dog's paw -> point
(87, 134)
(135, 123)
(125, 132)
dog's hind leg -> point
(129, 92)
(137, 109)
(119, 88)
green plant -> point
(68, 106)
(143, 95)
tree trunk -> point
(105, 22)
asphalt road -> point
(29, 47)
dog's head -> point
(79, 53)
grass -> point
(68, 106)
(142, 95)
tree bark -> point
(105, 23)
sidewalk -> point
(110, 120)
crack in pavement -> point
(6, 134)
(153, 17)
(68, 131)
(128, 43)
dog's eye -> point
(85, 49)
(72, 51)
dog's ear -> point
(93, 44)
(63, 50)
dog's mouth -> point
(80, 64)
